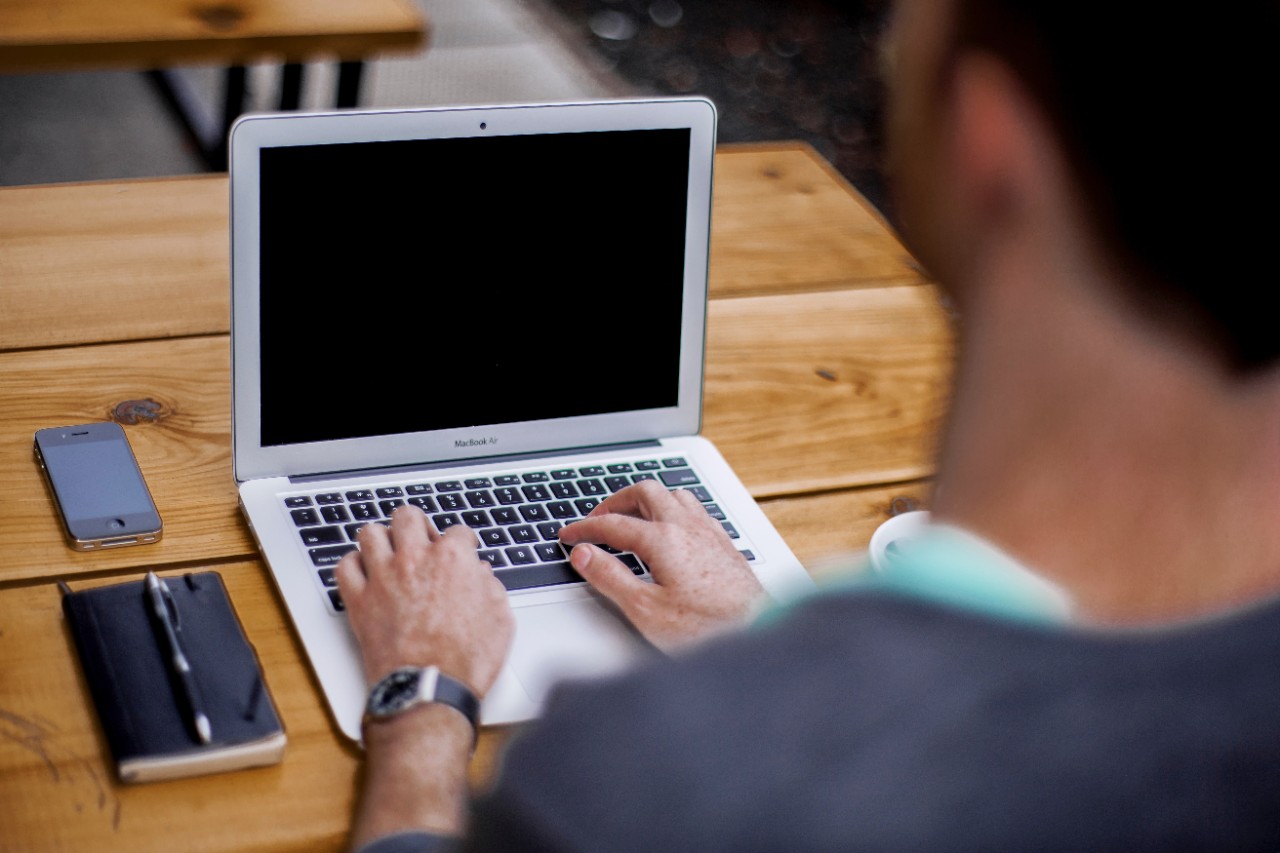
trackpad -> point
(570, 640)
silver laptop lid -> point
(421, 286)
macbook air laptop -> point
(496, 314)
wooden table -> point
(828, 365)
(86, 35)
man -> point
(1115, 427)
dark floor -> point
(776, 69)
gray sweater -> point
(872, 721)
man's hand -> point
(417, 597)
(702, 585)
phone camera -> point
(116, 523)
(483, 125)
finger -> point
(350, 575)
(647, 499)
(620, 531)
(461, 534)
(608, 575)
(409, 528)
(375, 545)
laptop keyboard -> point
(515, 515)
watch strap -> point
(434, 686)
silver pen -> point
(179, 665)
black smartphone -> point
(101, 495)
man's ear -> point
(1000, 139)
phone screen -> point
(96, 480)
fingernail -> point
(580, 556)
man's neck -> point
(1130, 470)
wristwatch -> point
(411, 686)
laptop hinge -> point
(473, 460)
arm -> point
(418, 597)
(702, 585)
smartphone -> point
(98, 487)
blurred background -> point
(776, 69)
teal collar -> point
(951, 566)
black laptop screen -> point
(433, 284)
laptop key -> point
(360, 495)
(675, 462)
(419, 489)
(643, 475)
(329, 577)
(592, 471)
(534, 512)
(520, 555)
(329, 498)
(523, 534)
(336, 600)
(304, 517)
(715, 512)
(391, 492)
(478, 483)
(647, 465)
(506, 516)
(492, 556)
(678, 477)
(297, 501)
(615, 484)
(591, 487)
(390, 506)
(450, 501)
(424, 503)
(620, 468)
(445, 520)
(561, 510)
(536, 477)
(331, 555)
(585, 505)
(480, 500)
(564, 490)
(542, 574)
(448, 486)
(548, 530)
(474, 518)
(507, 496)
(701, 493)
(364, 511)
(506, 480)
(535, 493)
(549, 552)
(334, 514)
(632, 562)
(563, 474)
(494, 537)
(321, 536)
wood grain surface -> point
(69, 35)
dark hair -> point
(1165, 111)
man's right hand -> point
(702, 584)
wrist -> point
(407, 689)
(416, 766)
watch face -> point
(395, 692)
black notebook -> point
(138, 695)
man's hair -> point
(1165, 111)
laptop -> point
(496, 314)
